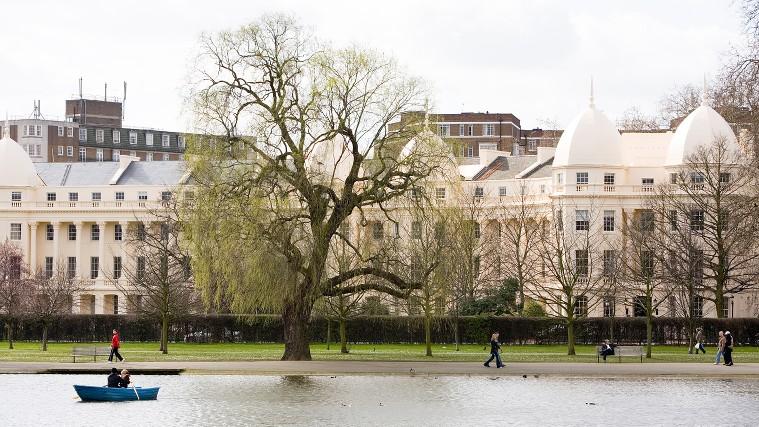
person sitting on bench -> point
(607, 349)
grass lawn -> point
(148, 352)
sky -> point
(530, 58)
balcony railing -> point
(65, 204)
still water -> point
(49, 400)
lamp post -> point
(732, 306)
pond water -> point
(206, 400)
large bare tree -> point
(318, 150)
(14, 287)
(52, 296)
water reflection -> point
(378, 400)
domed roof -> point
(16, 168)
(591, 139)
(332, 160)
(702, 127)
(430, 148)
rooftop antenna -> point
(37, 112)
(705, 93)
(592, 99)
(123, 101)
(426, 113)
(80, 88)
(105, 92)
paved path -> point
(590, 370)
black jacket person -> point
(114, 378)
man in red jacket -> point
(115, 344)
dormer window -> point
(582, 178)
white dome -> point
(590, 140)
(16, 168)
(332, 159)
(430, 148)
(702, 127)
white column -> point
(123, 245)
(79, 236)
(56, 245)
(33, 246)
(101, 251)
(99, 303)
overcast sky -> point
(530, 58)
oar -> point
(135, 392)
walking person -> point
(115, 344)
(700, 340)
(495, 349)
(728, 350)
(720, 347)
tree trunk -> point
(343, 336)
(44, 336)
(165, 335)
(9, 328)
(428, 334)
(719, 301)
(295, 318)
(649, 333)
(456, 336)
(570, 337)
(521, 298)
(329, 332)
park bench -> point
(623, 350)
(90, 351)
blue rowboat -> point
(114, 394)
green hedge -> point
(383, 329)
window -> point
(477, 230)
(559, 178)
(479, 192)
(609, 179)
(60, 150)
(166, 157)
(532, 144)
(60, 130)
(608, 220)
(503, 191)
(416, 193)
(115, 155)
(559, 219)
(647, 183)
(698, 306)
(117, 267)
(673, 178)
(724, 177)
(488, 129)
(542, 188)
(582, 178)
(639, 306)
(469, 130)
(117, 232)
(608, 303)
(444, 130)
(95, 232)
(94, 267)
(416, 230)
(70, 132)
(647, 264)
(140, 267)
(697, 266)
(71, 267)
(697, 220)
(440, 193)
(49, 232)
(140, 231)
(142, 195)
(70, 151)
(696, 178)
(72, 231)
(148, 139)
(672, 217)
(180, 141)
(73, 197)
(15, 231)
(582, 220)
(82, 154)
(461, 130)
(132, 138)
(99, 154)
(469, 151)
(726, 307)
(646, 221)
(378, 231)
(48, 267)
(82, 135)
(99, 136)
(610, 263)
(116, 135)
(165, 140)
(581, 305)
(119, 195)
(15, 196)
(581, 262)
(148, 157)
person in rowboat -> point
(114, 379)
(125, 379)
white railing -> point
(65, 204)
(609, 188)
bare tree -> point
(570, 252)
(635, 120)
(320, 152)
(14, 289)
(678, 103)
(158, 282)
(52, 295)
